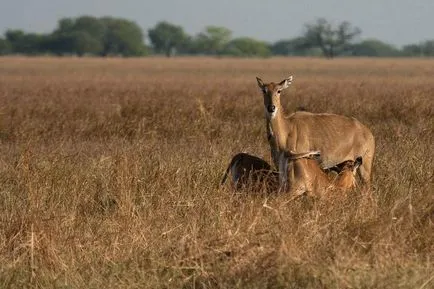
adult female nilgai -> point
(337, 137)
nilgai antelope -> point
(245, 169)
(338, 138)
(311, 179)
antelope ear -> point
(260, 83)
(286, 82)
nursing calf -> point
(247, 169)
(311, 179)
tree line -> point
(110, 36)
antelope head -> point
(350, 166)
(357, 163)
(271, 92)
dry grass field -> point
(110, 171)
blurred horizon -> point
(396, 22)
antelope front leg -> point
(283, 172)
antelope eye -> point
(279, 91)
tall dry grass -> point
(109, 173)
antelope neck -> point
(279, 128)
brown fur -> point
(245, 168)
(311, 179)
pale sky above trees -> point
(397, 22)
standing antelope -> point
(311, 179)
(338, 138)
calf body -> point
(311, 179)
(245, 168)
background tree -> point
(94, 27)
(428, 48)
(247, 47)
(88, 35)
(26, 43)
(5, 47)
(413, 50)
(81, 42)
(189, 46)
(213, 39)
(290, 47)
(80, 36)
(374, 47)
(15, 38)
(97, 36)
(331, 40)
(59, 44)
(167, 38)
(422, 49)
(122, 37)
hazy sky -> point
(395, 21)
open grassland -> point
(109, 173)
